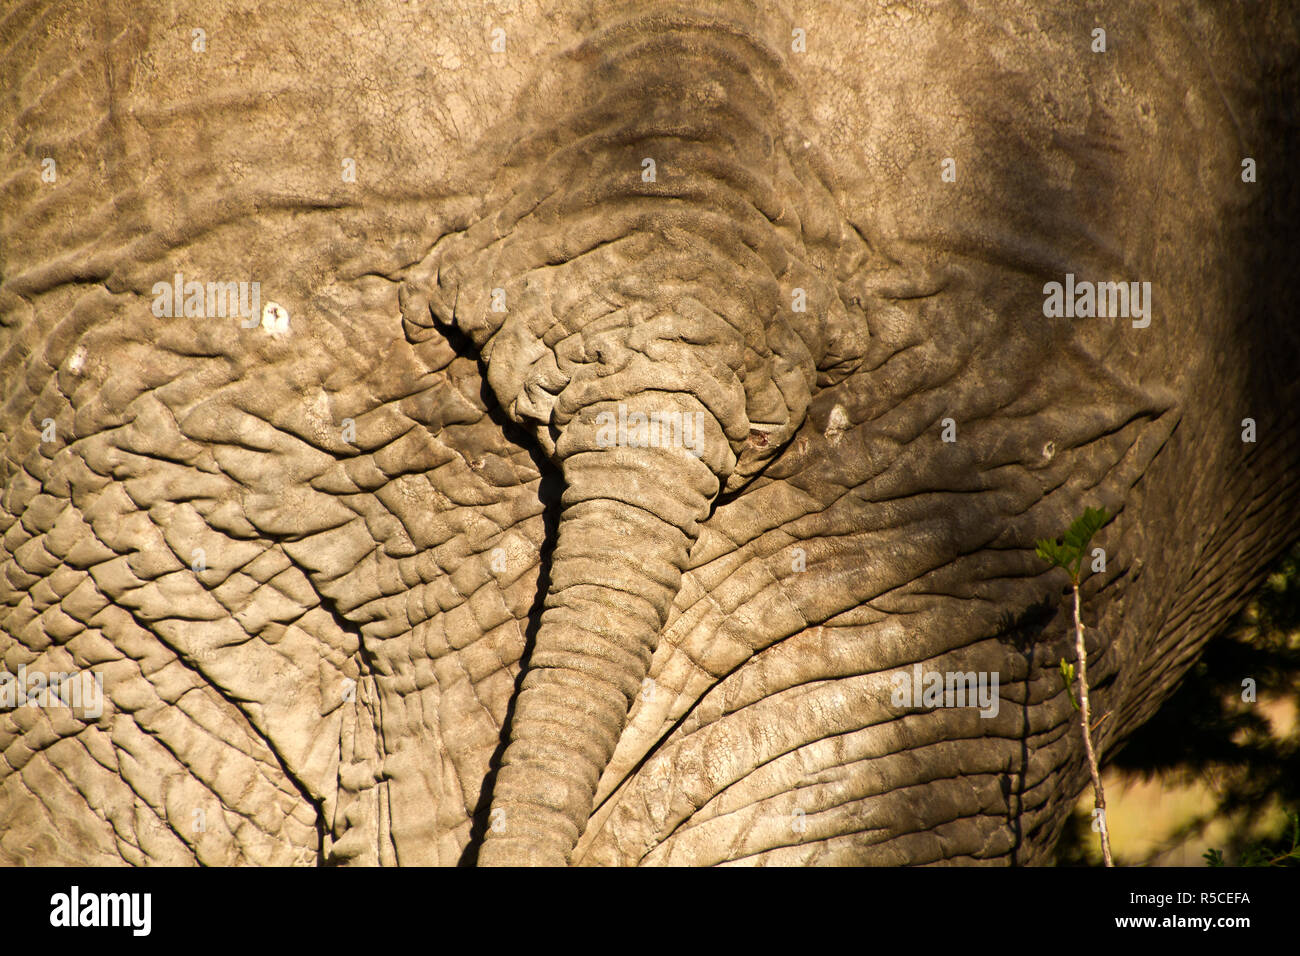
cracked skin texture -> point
(338, 684)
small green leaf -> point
(1213, 857)
(1054, 553)
(1083, 528)
(1070, 551)
(1067, 678)
(1255, 856)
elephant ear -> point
(291, 547)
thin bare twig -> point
(1099, 794)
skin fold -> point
(376, 587)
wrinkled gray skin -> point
(472, 633)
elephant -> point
(584, 432)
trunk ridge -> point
(630, 515)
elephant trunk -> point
(639, 477)
(651, 290)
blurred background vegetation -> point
(1211, 772)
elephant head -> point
(647, 320)
(626, 403)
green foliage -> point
(1206, 733)
(1067, 678)
(1265, 853)
(1069, 551)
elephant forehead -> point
(669, 207)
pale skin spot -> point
(275, 319)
